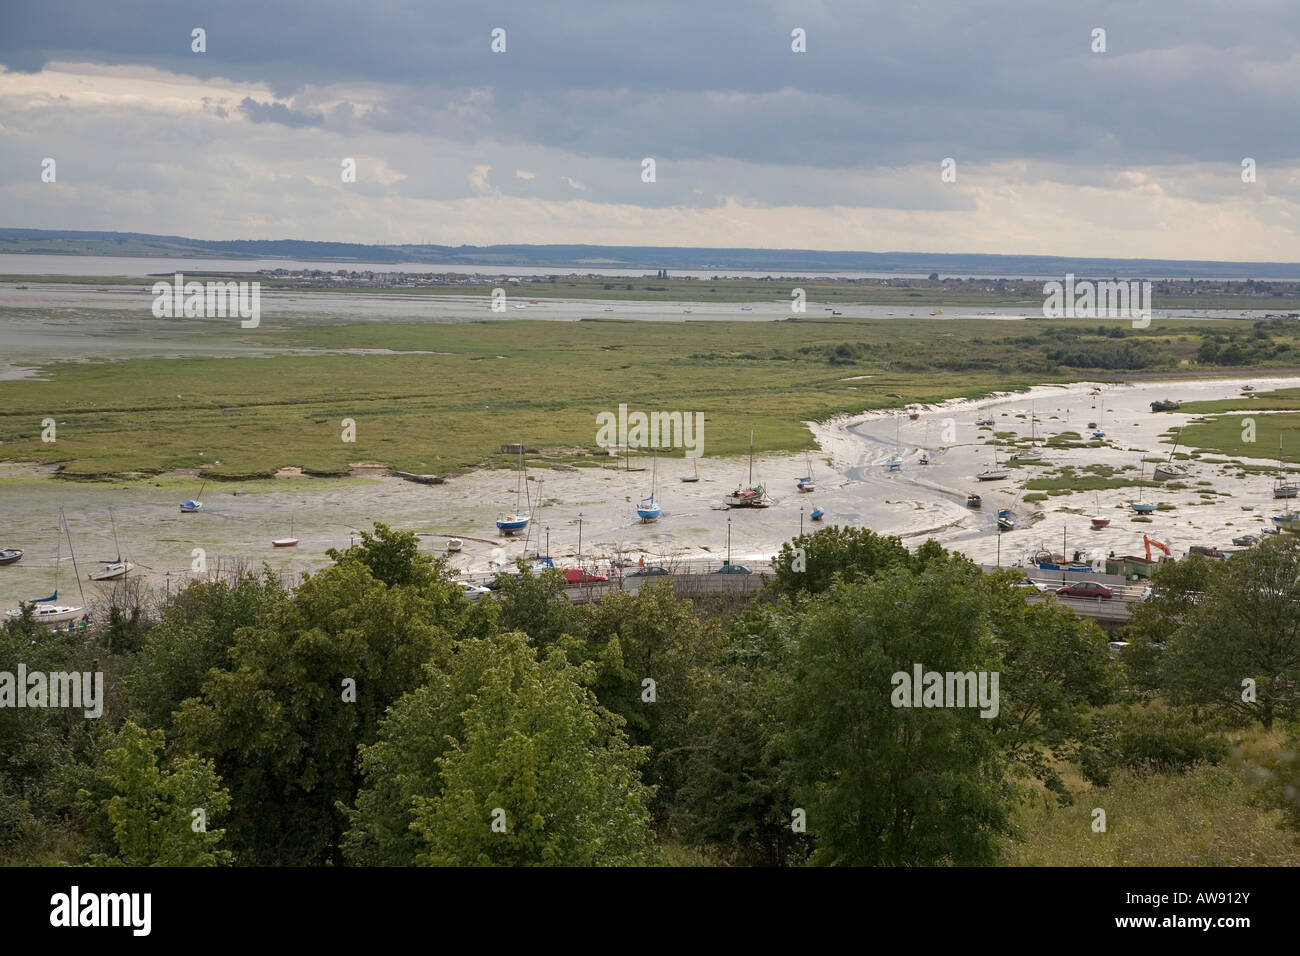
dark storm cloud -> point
(277, 113)
(881, 83)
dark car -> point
(1085, 589)
(732, 569)
(649, 571)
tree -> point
(646, 646)
(537, 605)
(195, 634)
(308, 684)
(886, 784)
(393, 557)
(1236, 643)
(734, 797)
(854, 553)
(1055, 667)
(152, 809)
(538, 773)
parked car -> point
(1085, 589)
(474, 591)
(728, 568)
(1117, 646)
(649, 571)
(583, 576)
(1038, 586)
(544, 565)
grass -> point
(502, 381)
(1202, 818)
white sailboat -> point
(289, 542)
(1033, 452)
(112, 569)
(895, 461)
(1167, 468)
(48, 610)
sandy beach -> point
(854, 486)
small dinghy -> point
(454, 545)
(817, 514)
(1099, 523)
(10, 555)
(973, 501)
(289, 542)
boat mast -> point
(72, 551)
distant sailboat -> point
(648, 510)
(755, 496)
(47, 610)
(1167, 468)
(1033, 452)
(806, 483)
(509, 524)
(992, 474)
(116, 568)
(694, 475)
(1281, 487)
(1140, 506)
(289, 542)
(194, 504)
(895, 461)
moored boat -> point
(10, 555)
(1100, 523)
(817, 514)
(973, 501)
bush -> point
(1145, 740)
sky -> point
(1056, 147)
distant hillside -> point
(578, 257)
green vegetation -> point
(373, 716)
(477, 385)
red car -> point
(583, 576)
(1085, 589)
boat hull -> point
(512, 524)
(10, 556)
(1099, 523)
(50, 613)
(117, 569)
(285, 543)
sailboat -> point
(806, 483)
(648, 510)
(695, 473)
(1167, 468)
(47, 610)
(1097, 522)
(992, 474)
(194, 504)
(116, 568)
(755, 496)
(1101, 420)
(895, 461)
(1033, 452)
(1281, 487)
(1140, 506)
(289, 542)
(818, 514)
(518, 520)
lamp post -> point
(579, 539)
(548, 541)
(728, 542)
(801, 521)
